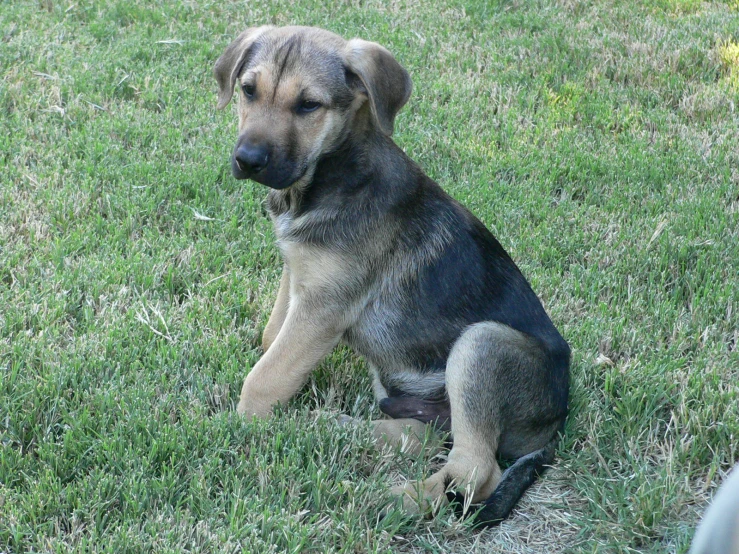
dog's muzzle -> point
(257, 162)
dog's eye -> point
(248, 90)
(308, 106)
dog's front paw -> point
(256, 399)
(250, 408)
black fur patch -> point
(290, 48)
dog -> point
(377, 256)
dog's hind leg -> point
(410, 435)
(494, 377)
(471, 463)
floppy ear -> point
(228, 65)
(381, 77)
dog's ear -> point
(228, 65)
(384, 81)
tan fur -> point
(311, 328)
(307, 335)
(407, 435)
(279, 311)
(272, 116)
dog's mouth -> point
(277, 179)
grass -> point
(597, 139)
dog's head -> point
(301, 92)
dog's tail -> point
(514, 482)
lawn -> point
(599, 140)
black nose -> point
(252, 158)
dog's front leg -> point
(279, 312)
(307, 335)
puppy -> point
(377, 256)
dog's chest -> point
(381, 324)
(314, 269)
